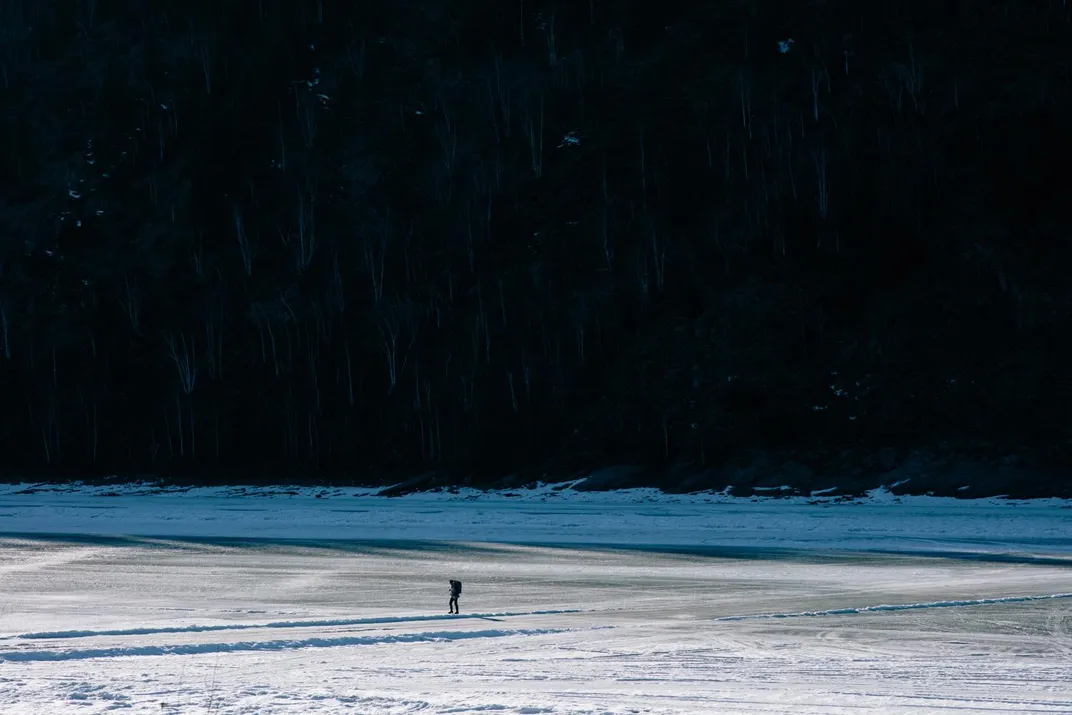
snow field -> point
(267, 601)
(140, 625)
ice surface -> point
(769, 606)
(545, 516)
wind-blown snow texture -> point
(191, 602)
(543, 515)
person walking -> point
(455, 591)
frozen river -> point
(158, 625)
(268, 601)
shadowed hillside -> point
(351, 239)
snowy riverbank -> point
(548, 514)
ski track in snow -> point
(900, 607)
(276, 624)
(202, 648)
(967, 610)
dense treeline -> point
(327, 235)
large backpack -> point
(457, 587)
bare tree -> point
(303, 240)
(206, 66)
(447, 133)
(131, 301)
(4, 331)
(214, 344)
(819, 78)
(305, 105)
(547, 26)
(503, 93)
(375, 259)
(245, 250)
(535, 137)
(392, 327)
(183, 355)
(197, 255)
(821, 186)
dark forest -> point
(327, 240)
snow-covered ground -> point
(634, 602)
(545, 515)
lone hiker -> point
(455, 591)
